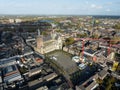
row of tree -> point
(117, 26)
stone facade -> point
(48, 43)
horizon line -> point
(57, 15)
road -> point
(115, 75)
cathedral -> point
(48, 43)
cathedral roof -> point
(47, 38)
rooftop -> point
(102, 73)
(13, 77)
(47, 21)
(9, 69)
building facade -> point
(48, 43)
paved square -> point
(64, 60)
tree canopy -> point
(117, 26)
(69, 41)
(82, 35)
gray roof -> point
(43, 88)
(46, 21)
(0, 80)
(91, 85)
(50, 75)
(90, 51)
(0, 73)
(12, 77)
(35, 70)
(9, 69)
(47, 38)
(80, 87)
(27, 49)
(102, 73)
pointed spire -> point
(53, 34)
(93, 22)
(38, 32)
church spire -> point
(38, 32)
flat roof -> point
(102, 73)
(12, 77)
(0, 79)
(82, 65)
(90, 51)
(10, 70)
(42, 88)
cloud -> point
(113, 3)
(109, 3)
(96, 6)
(108, 10)
(93, 5)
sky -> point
(60, 7)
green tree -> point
(95, 36)
(44, 33)
(59, 31)
(69, 41)
(116, 26)
(115, 40)
(82, 35)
